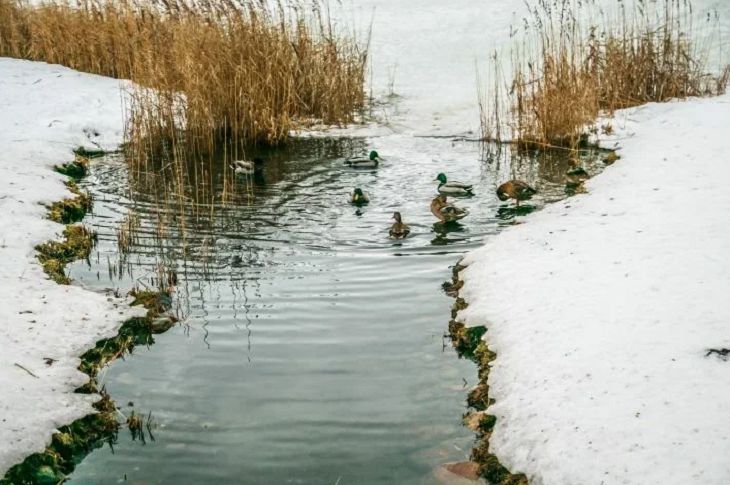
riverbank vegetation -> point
(469, 343)
(576, 62)
(204, 73)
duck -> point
(371, 161)
(515, 189)
(244, 167)
(445, 211)
(576, 176)
(452, 187)
(358, 197)
(398, 230)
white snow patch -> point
(46, 112)
(602, 308)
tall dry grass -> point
(577, 61)
(231, 70)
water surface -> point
(312, 349)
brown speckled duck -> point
(515, 189)
(445, 211)
(398, 230)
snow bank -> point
(45, 112)
(602, 308)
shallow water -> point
(313, 347)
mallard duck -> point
(358, 197)
(576, 176)
(398, 230)
(361, 162)
(515, 189)
(445, 211)
(244, 167)
(452, 187)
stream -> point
(312, 349)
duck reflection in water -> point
(443, 229)
(508, 213)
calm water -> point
(313, 347)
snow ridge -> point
(601, 309)
(47, 111)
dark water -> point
(313, 347)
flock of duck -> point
(444, 210)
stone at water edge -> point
(459, 473)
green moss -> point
(486, 424)
(465, 339)
(469, 343)
(68, 211)
(55, 255)
(89, 152)
(76, 169)
(155, 302)
(67, 446)
(71, 443)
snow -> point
(433, 48)
(47, 111)
(602, 308)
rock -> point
(459, 473)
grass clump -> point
(67, 446)
(55, 255)
(70, 210)
(205, 72)
(578, 61)
(76, 169)
(135, 331)
(87, 153)
(469, 343)
(71, 443)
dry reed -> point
(236, 70)
(578, 61)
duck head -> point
(441, 178)
(502, 195)
(374, 155)
(358, 192)
(397, 217)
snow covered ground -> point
(602, 308)
(45, 112)
(431, 48)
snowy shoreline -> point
(601, 310)
(47, 111)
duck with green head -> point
(452, 187)
(359, 197)
(372, 161)
(399, 229)
(515, 189)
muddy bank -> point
(72, 442)
(469, 342)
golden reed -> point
(225, 71)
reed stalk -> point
(577, 61)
